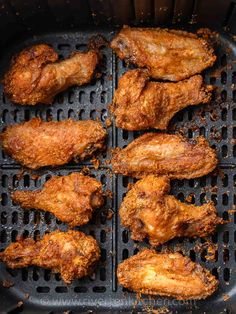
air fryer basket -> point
(67, 25)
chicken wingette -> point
(166, 274)
(36, 144)
(73, 254)
(36, 75)
(167, 54)
(72, 198)
(139, 103)
(165, 154)
(150, 212)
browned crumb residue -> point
(110, 214)
(108, 122)
(210, 248)
(226, 297)
(7, 283)
(189, 198)
(96, 163)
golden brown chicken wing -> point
(36, 75)
(149, 212)
(167, 54)
(36, 144)
(166, 274)
(72, 198)
(139, 104)
(73, 254)
(165, 154)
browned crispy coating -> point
(36, 75)
(72, 198)
(73, 254)
(166, 274)
(165, 154)
(149, 212)
(167, 54)
(140, 104)
(36, 144)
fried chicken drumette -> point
(165, 154)
(166, 274)
(72, 198)
(36, 75)
(140, 104)
(36, 144)
(149, 212)
(167, 54)
(72, 254)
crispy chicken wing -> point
(165, 154)
(166, 274)
(71, 253)
(72, 198)
(36, 75)
(148, 211)
(36, 144)
(139, 104)
(167, 54)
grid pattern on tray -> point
(90, 102)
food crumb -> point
(20, 303)
(96, 163)
(226, 297)
(110, 214)
(108, 122)
(7, 283)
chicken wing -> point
(149, 212)
(165, 154)
(72, 198)
(166, 274)
(139, 104)
(36, 144)
(167, 54)
(36, 75)
(73, 254)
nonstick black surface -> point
(41, 291)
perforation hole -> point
(4, 181)
(61, 289)
(225, 180)
(225, 199)
(3, 236)
(125, 254)
(125, 236)
(14, 218)
(24, 274)
(103, 255)
(43, 289)
(14, 235)
(99, 289)
(224, 114)
(4, 199)
(223, 60)
(215, 272)
(26, 217)
(223, 95)
(223, 78)
(82, 97)
(225, 255)
(102, 274)
(92, 97)
(224, 151)
(80, 289)
(103, 236)
(3, 218)
(93, 114)
(103, 115)
(226, 274)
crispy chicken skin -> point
(36, 75)
(36, 144)
(149, 212)
(165, 154)
(72, 254)
(166, 274)
(72, 198)
(167, 54)
(140, 104)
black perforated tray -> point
(43, 292)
